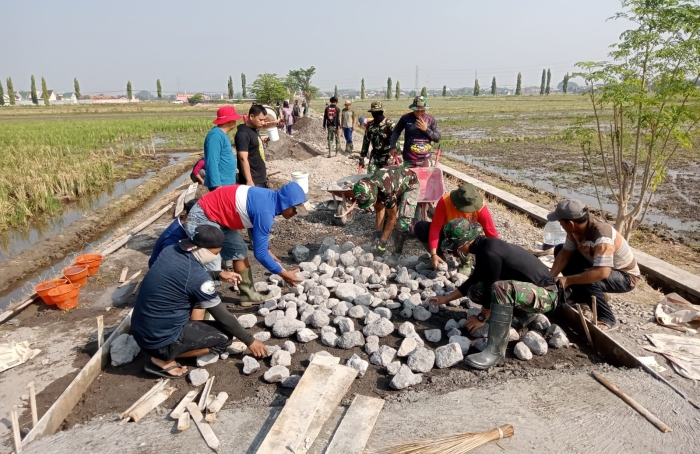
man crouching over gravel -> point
(173, 288)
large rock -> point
(329, 339)
(236, 348)
(325, 244)
(359, 364)
(290, 347)
(248, 320)
(393, 368)
(319, 291)
(350, 339)
(559, 340)
(481, 344)
(402, 277)
(291, 382)
(363, 300)
(381, 328)
(408, 345)
(535, 342)
(319, 319)
(341, 309)
(405, 378)
(521, 351)
(250, 365)
(384, 312)
(345, 325)
(371, 344)
(208, 359)
(420, 313)
(513, 335)
(451, 323)
(276, 374)
(463, 342)
(305, 335)
(285, 327)
(448, 355)
(281, 358)
(540, 322)
(346, 292)
(262, 336)
(433, 335)
(198, 377)
(383, 356)
(348, 259)
(309, 267)
(371, 317)
(421, 360)
(382, 269)
(273, 317)
(406, 329)
(347, 246)
(300, 253)
(124, 349)
(358, 312)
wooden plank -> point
(15, 429)
(180, 205)
(19, 308)
(115, 245)
(54, 416)
(32, 402)
(160, 384)
(122, 277)
(183, 422)
(204, 427)
(128, 281)
(100, 330)
(192, 191)
(356, 426)
(150, 220)
(151, 403)
(205, 393)
(182, 406)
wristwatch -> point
(481, 317)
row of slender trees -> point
(33, 94)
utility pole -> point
(415, 88)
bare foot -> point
(175, 372)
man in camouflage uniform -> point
(394, 193)
(378, 135)
(331, 123)
(505, 277)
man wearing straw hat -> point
(421, 129)
(378, 136)
(218, 153)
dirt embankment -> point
(90, 227)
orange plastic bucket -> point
(42, 289)
(92, 261)
(65, 296)
(76, 274)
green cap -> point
(376, 107)
(459, 232)
(466, 198)
(419, 103)
(365, 193)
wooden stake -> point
(183, 422)
(157, 387)
(152, 402)
(594, 308)
(585, 325)
(128, 281)
(100, 330)
(137, 287)
(123, 275)
(15, 429)
(215, 406)
(182, 406)
(32, 403)
(204, 427)
(205, 394)
(633, 403)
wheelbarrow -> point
(432, 186)
(342, 189)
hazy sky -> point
(195, 46)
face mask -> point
(204, 256)
(378, 115)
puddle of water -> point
(469, 134)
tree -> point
(195, 99)
(397, 95)
(565, 83)
(477, 89)
(245, 89)
(11, 91)
(389, 86)
(424, 92)
(230, 87)
(643, 105)
(444, 90)
(362, 89)
(35, 98)
(301, 80)
(76, 88)
(494, 89)
(2, 95)
(549, 79)
(128, 91)
(335, 91)
(519, 86)
(544, 80)
(159, 90)
(44, 92)
(267, 88)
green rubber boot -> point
(249, 297)
(499, 327)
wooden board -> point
(356, 426)
(122, 277)
(151, 403)
(204, 427)
(51, 421)
(191, 192)
(180, 205)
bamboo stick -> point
(594, 308)
(32, 403)
(100, 331)
(585, 325)
(15, 429)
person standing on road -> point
(250, 153)
(378, 132)
(288, 116)
(218, 153)
(305, 108)
(331, 123)
(421, 129)
(297, 111)
(348, 123)
(595, 259)
(505, 277)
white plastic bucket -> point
(302, 179)
(272, 134)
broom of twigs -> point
(451, 444)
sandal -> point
(609, 328)
(163, 372)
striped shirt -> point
(604, 246)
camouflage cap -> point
(459, 232)
(376, 107)
(419, 103)
(365, 193)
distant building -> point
(181, 97)
(69, 98)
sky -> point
(196, 46)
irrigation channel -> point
(17, 241)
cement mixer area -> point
(404, 358)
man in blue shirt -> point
(174, 233)
(218, 153)
(176, 285)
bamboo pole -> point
(100, 330)
(15, 429)
(32, 403)
(594, 308)
(585, 325)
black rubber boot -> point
(499, 326)
(399, 240)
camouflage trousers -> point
(406, 209)
(523, 296)
(333, 135)
(379, 161)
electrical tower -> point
(416, 85)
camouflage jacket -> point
(392, 182)
(379, 136)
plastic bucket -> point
(92, 261)
(65, 296)
(77, 274)
(273, 134)
(42, 289)
(302, 179)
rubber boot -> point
(499, 326)
(249, 297)
(399, 240)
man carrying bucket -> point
(421, 129)
(378, 136)
(218, 153)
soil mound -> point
(288, 148)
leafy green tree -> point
(444, 90)
(335, 91)
(35, 98)
(519, 86)
(267, 88)
(230, 87)
(362, 89)
(477, 89)
(128, 91)
(544, 81)
(494, 89)
(195, 99)
(397, 95)
(389, 86)
(301, 80)
(44, 92)
(565, 83)
(76, 88)
(11, 91)
(245, 89)
(424, 92)
(160, 91)
(643, 105)
(549, 79)
(2, 95)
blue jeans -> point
(347, 132)
(234, 246)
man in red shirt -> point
(464, 202)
